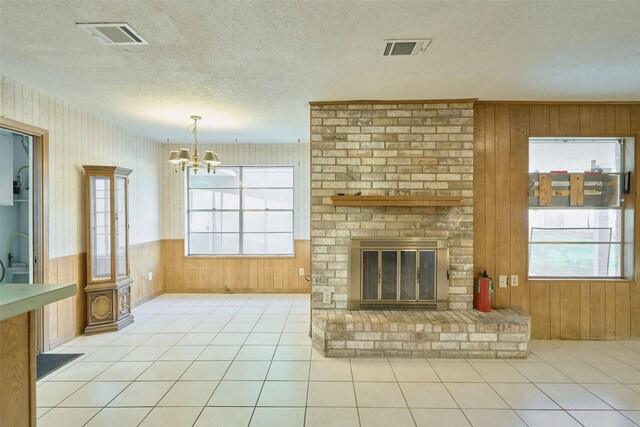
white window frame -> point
(620, 242)
(240, 212)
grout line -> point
(397, 383)
(355, 395)
(180, 306)
(268, 369)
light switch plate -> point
(504, 281)
(150, 276)
(301, 272)
(514, 280)
(326, 297)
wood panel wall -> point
(234, 274)
(78, 137)
(560, 309)
(18, 371)
(67, 318)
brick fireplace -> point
(395, 279)
(380, 148)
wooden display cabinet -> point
(107, 226)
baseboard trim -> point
(147, 299)
(238, 291)
(66, 338)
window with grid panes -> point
(577, 233)
(240, 210)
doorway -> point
(23, 228)
(16, 208)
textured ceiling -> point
(250, 67)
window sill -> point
(578, 279)
(241, 256)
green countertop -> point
(16, 298)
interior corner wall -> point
(78, 137)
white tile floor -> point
(246, 360)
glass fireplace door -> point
(398, 275)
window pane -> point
(577, 225)
(254, 178)
(267, 244)
(566, 260)
(272, 222)
(225, 177)
(280, 199)
(214, 244)
(268, 199)
(228, 222)
(208, 199)
(574, 154)
(200, 244)
(267, 177)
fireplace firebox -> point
(398, 273)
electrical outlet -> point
(514, 280)
(504, 281)
(301, 272)
(326, 297)
(150, 276)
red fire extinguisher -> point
(483, 292)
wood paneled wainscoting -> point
(234, 274)
(18, 371)
(67, 318)
(565, 308)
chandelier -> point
(182, 159)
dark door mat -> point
(49, 362)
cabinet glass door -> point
(100, 227)
(121, 226)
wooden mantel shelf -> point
(410, 201)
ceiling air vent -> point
(404, 47)
(114, 33)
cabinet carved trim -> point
(107, 229)
(101, 307)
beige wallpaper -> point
(79, 137)
(290, 154)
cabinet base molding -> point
(109, 307)
(109, 327)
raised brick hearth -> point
(408, 148)
(502, 333)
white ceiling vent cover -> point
(114, 33)
(415, 47)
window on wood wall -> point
(576, 208)
(240, 210)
